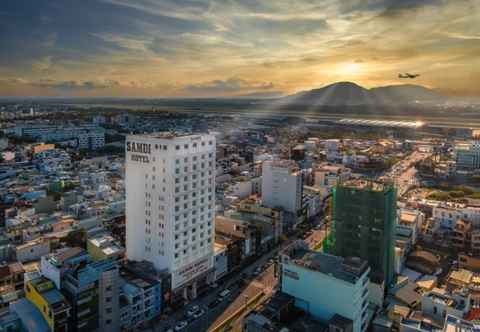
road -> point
(404, 173)
(234, 301)
(264, 282)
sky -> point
(201, 48)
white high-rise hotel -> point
(170, 193)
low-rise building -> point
(104, 246)
(32, 250)
(438, 303)
(325, 285)
(140, 300)
(220, 261)
(48, 300)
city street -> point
(404, 173)
(233, 302)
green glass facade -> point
(364, 226)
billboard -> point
(191, 271)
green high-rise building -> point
(364, 215)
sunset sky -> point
(162, 48)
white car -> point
(193, 310)
(199, 314)
(181, 325)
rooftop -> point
(368, 185)
(461, 276)
(348, 269)
(30, 316)
(381, 123)
(61, 256)
(454, 324)
(166, 135)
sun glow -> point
(350, 69)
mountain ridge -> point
(349, 94)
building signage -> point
(144, 148)
(139, 147)
(189, 272)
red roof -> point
(474, 314)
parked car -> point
(181, 325)
(223, 294)
(199, 313)
(194, 309)
(214, 303)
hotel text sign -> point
(190, 271)
(144, 148)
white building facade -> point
(170, 202)
(282, 185)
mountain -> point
(351, 94)
(405, 93)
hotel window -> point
(186, 146)
(177, 147)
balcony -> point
(83, 313)
(84, 300)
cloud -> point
(74, 85)
(229, 86)
(145, 44)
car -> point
(192, 310)
(181, 325)
(199, 313)
(223, 294)
(214, 303)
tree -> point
(77, 238)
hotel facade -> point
(170, 203)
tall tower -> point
(364, 215)
(170, 202)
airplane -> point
(408, 75)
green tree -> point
(77, 238)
